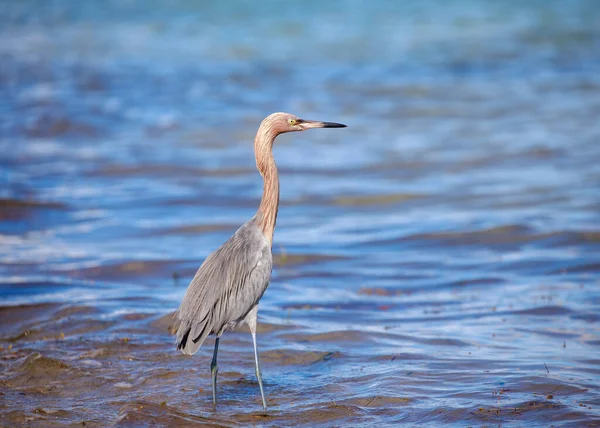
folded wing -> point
(225, 288)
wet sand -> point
(70, 365)
(131, 376)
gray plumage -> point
(229, 284)
(226, 287)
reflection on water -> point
(436, 262)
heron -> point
(228, 286)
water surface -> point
(437, 262)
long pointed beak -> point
(307, 124)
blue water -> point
(442, 252)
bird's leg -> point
(258, 375)
(213, 371)
(251, 319)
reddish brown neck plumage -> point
(269, 205)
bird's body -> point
(226, 288)
(229, 284)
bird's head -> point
(286, 122)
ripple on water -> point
(435, 263)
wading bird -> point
(229, 284)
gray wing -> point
(225, 288)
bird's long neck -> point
(269, 205)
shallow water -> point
(436, 263)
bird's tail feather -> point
(190, 337)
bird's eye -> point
(292, 121)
